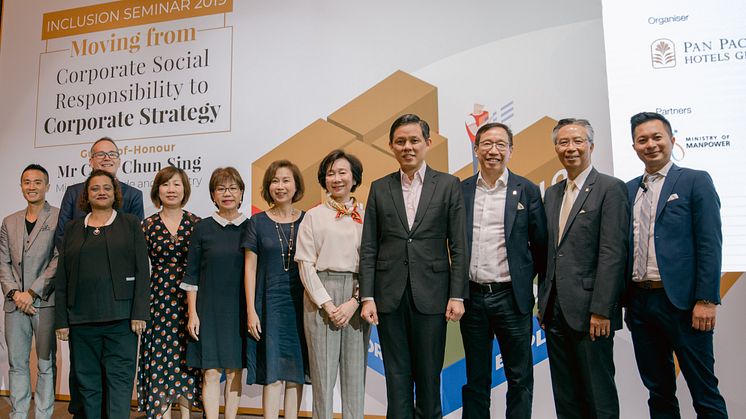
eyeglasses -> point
(232, 189)
(577, 142)
(100, 155)
(487, 145)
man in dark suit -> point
(413, 220)
(579, 301)
(103, 155)
(28, 262)
(674, 283)
(507, 235)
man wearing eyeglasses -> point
(104, 155)
(579, 300)
(507, 236)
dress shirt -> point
(489, 255)
(412, 190)
(326, 243)
(652, 272)
(579, 182)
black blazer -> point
(391, 252)
(525, 234)
(128, 258)
(588, 265)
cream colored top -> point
(326, 243)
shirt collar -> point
(108, 222)
(223, 222)
(420, 173)
(663, 172)
(501, 181)
(582, 177)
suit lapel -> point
(668, 184)
(40, 221)
(19, 232)
(512, 198)
(470, 190)
(428, 188)
(553, 219)
(582, 195)
(397, 197)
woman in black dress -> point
(102, 296)
(216, 305)
(163, 376)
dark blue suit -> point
(688, 249)
(506, 311)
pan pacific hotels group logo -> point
(663, 53)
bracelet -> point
(707, 302)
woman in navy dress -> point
(215, 296)
(163, 375)
(276, 350)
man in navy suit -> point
(507, 235)
(674, 282)
(104, 155)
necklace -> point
(96, 231)
(281, 236)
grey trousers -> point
(331, 349)
(19, 330)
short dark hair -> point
(407, 119)
(34, 166)
(163, 176)
(270, 173)
(573, 121)
(355, 166)
(102, 139)
(486, 127)
(644, 117)
(85, 204)
(222, 174)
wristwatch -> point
(10, 294)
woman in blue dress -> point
(276, 349)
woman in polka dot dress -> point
(163, 377)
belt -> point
(490, 287)
(648, 285)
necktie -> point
(646, 218)
(567, 202)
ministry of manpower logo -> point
(663, 53)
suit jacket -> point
(128, 260)
(688, 236)
(588, 265)
(69, 209)
(29, 261)
(391, 252)
(525, 234)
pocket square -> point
(672, 197)
(521, 207)
(129, 278)
(582, 211)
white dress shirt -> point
(579, 182)
(489, 255)
(412, 190)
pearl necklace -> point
(290, 241)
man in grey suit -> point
(414, 219)
(579, 301)
(28, 261)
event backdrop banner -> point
(201, 84)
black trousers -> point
(105, 352)
(413, 347)
(582, 370)
(659, 330)
(494, 314)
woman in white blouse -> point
(328, 256)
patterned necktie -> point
(567, 202)
(646, 218)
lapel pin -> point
(587, 189)
(515, 192)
